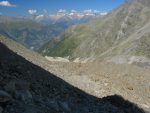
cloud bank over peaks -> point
(68, 13)
(62, 11)
(88, 11)
(32, 11)
(104, 13)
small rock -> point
(145, 106)
(10, 87)
(17, 85)
(1, 78)
(105, 84)
(4, 96)
(24, 95)
(65, 106)
(1, 109)
(130, 87)
(53, 104)
(31, 110)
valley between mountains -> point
(99, 63)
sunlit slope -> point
(28, 32)
(125, 31)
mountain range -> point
(68, 18)
(95, 65)
(36, 30)
(28, 32)
(123, 33)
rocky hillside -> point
(28, 88)
(125, 31)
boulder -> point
(64, 106)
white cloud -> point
(88, 11)
(104, 13)
(6, 4)
(62, 11)
(39, 17)
(32, 11)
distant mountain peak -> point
(73, 15)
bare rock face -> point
(4, 96)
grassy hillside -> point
(29, 33)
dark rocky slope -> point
(27, 88)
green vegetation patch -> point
(64, 48)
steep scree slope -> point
(27, 88)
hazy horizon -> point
(22, 8)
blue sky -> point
(21, 7)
